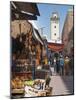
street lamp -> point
(41, 30)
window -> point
(54, 26)
(55, 34)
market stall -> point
(27, 47)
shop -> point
(27, 52)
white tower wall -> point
(54, 30)
(55, 34)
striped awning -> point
(55, 46)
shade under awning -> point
(22, 16)
(55, 46)
(27, 7)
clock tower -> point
(55, 35)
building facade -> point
(68, 33)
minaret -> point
(55, 35)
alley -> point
(42, 46)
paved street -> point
(61, 84)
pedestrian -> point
(55, 65)
(58, 65)
(50, 59)
(66, 65)
(61, 65)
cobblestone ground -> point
(62, 85)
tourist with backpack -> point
(61, 65)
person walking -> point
(58, 65)
(61, 65)
(55, 67)
(66, 65)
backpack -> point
(61, 61)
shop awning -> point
(27, 7)
(24, 11)
(55, 46)
(25, 27)
(37, 36)
(22, 16)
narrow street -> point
(61, 84)
(42, 46)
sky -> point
(45, 13)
